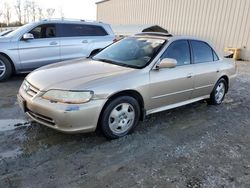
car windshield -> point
(135, 52)
(18, 30)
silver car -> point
(49, 41)
(132, 78)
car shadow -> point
(37, 135)
(17, 77)
(14, 80)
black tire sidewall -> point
(108, 109)
(212, 96)
(8, 67)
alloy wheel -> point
(121, 118)
(2, 68)
(220, 92)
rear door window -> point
(178, 50)
(79, 30)
(202, 52)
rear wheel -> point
(120, 117)
(218, 93)
(5, 68)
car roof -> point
(70, 21)
(155, 35)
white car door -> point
(42, 50)
(78, 40)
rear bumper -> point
(66, 118)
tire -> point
(218, 93)
(120, 117)
(5, 68)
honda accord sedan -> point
(125, 82)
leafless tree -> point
(7, 13)
(61, 12)
(1, 13)
(27, 11)
(40, 13)
(50, 12)
(33, 10)
(18, 8)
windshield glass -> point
(17, 31)
(132, 52)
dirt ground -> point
(192, 146)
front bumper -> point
(68, 118)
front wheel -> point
(120, 117)
(218, 93)
(5, 68)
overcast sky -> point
(79, 9)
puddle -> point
(10, 153)
(11, 124)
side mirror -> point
(28, 36)
(167, 63)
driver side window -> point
(178, 50)
(44, 31)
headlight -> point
(71, 97)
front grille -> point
(41, 118)
(29, 89)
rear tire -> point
(5, 68)
(120, 117)
(218, 93)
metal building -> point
(224, 22)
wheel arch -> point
(8, 57)
(132, 93)
(225, 77)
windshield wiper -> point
(106, 61)
(115, 63)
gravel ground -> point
(192, 146)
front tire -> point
(120, 117)
(218, 93)
(5, 68)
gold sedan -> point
(120, 85)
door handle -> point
(218, 70)
(85, 41)
(53, 43)
(189, 75)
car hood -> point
(74, 74)
(5, 39)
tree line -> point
(22, 12)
